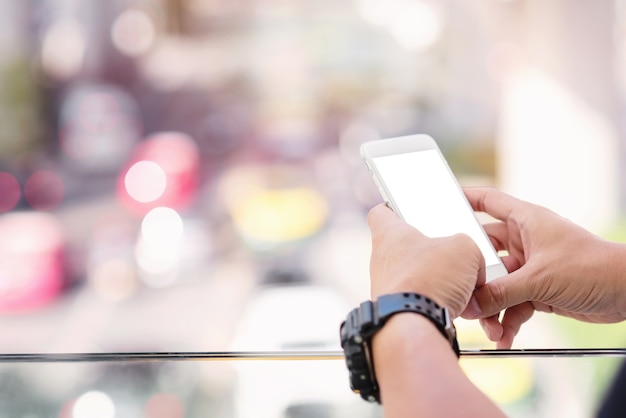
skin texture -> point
(416, 368)
(555, 266)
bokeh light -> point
(94, 404)
(417, 27)
(99, 126)
(114, 279)
(32, 247)
(133, 32)
(164, 405)
(9, 191)
(271, 217)
(183, 148)
(158, 249)
(415, 24)
(44, 190)
(162, 224)
(63, 49)
(145, 181)
(163, 171)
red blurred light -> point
(44, 190)
(162, 172)
(9, 192)
(32, 246)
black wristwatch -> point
(364, 321)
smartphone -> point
(415, 180)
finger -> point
(501, 293)
(498, 234)
(481, 277)
(511, 263)
(380, 217)
(492, 327)
(491, 201)
(512, 322)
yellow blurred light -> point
(145, 181)
(133, 32)
(280, 215)
(494, 377)
(113, 279)
(505, 381)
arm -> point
(419, 374)
(417, 370)
(555, 266)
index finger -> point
(491, 201)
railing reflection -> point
(287, 384)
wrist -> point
(367, 320)
(422, 288)
(406, 341)
(407, 332)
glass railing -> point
(289, 384)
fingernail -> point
(473, 309)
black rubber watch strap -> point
(364, 321)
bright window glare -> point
(375, 12)
(145, 181)
(414, 24)
(417, 27)
(94, 404)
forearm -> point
(419, 375)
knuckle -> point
(496, 295)
(465, 244)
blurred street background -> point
(183, 175)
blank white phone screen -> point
(429, 199)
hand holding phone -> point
(415, 180)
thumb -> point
(380, 217)
(499, 294)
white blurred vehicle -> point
(294, 317)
